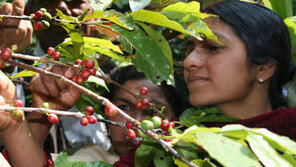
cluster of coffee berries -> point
(88, 69)
(52, 118)
(41, 19)
(90, 119)
(18, 112)
(51, 52)
(144, 101)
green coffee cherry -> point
(46, 24)
(43, 10)
(156, 121)
(45, 105)
(147, 125)
(18, 113)
(142, 134)
(47, 16)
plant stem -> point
(104, 101)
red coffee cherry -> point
(78, 62)
(18, 103)
(92, 119)
(172, 124)
(85, 74)
(6, 54)
(69, 74)
(56, 55)
(50, 51)
(110, 110)
(129, 125)
(145, 102)
(139, 105)
(38, 25)
(131, 133)
(79, 79)
(143, 90)
(89, 63)
(84, 121)
(89, 110)
(165, 124)
(53, 118)
(92, 71)
(74, 78)
(38, 15)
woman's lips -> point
(196, 79)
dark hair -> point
(127, 73)
(266, 37)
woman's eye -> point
(152, 111)
(124, 108)
(213, 48)
(190, 45)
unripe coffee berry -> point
(45, 105)
(89, 110)
(18, 113)
(18, 103)
(84, 121)
(139, 105)
(92, 119)
(147, 125)
(6, 54)
(129, 125)
(143, 90)
(131, 133)
(89, 63)
(156, 121)
(53, 118)
(145, 102)
(110, 110)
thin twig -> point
(104, 101)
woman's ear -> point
(265, 71)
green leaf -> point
(24, 73)
(143, 154)
(227, 151)
(100, 5)
(160, 20)
(186, 150)
(62, 16)
(282, 8)
(136, 5)
(103, 43)
(97, 81)
(291, 24)
(189, 134)
(203, 163)
(267, 155)
(163, 44)
(149, 58)
(161, 158)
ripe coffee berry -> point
(50, 51)
(1, 63)
(74, 78)
(165, 124)
(79, 79)
(172, 124)
(78, 62)
(129, 125)
(38, 25)
(56, 55)
(38, 15)
(84, 121)
(69, 73)
(89, 110)
(6, 54)
(92, 71)
(89, 63)
(131, 133)
(139, 105)
(52, 118)
(18, 103)
(143, 90)
(110, 110)
(92, 119)
(145, 102)
(85, 74)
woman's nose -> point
(193, 60)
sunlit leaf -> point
(136, 5)
(24, 73)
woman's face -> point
(216, 74)
(126, 102)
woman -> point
(244, 76)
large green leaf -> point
(100, 5)
(136, 5)
(291, 24)
(160, 40)
(160, 20)
(24, 73)
(149, 57)
(227, 151)
(101, 43)
(143, 154)
(282, 8)
(267, 155)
